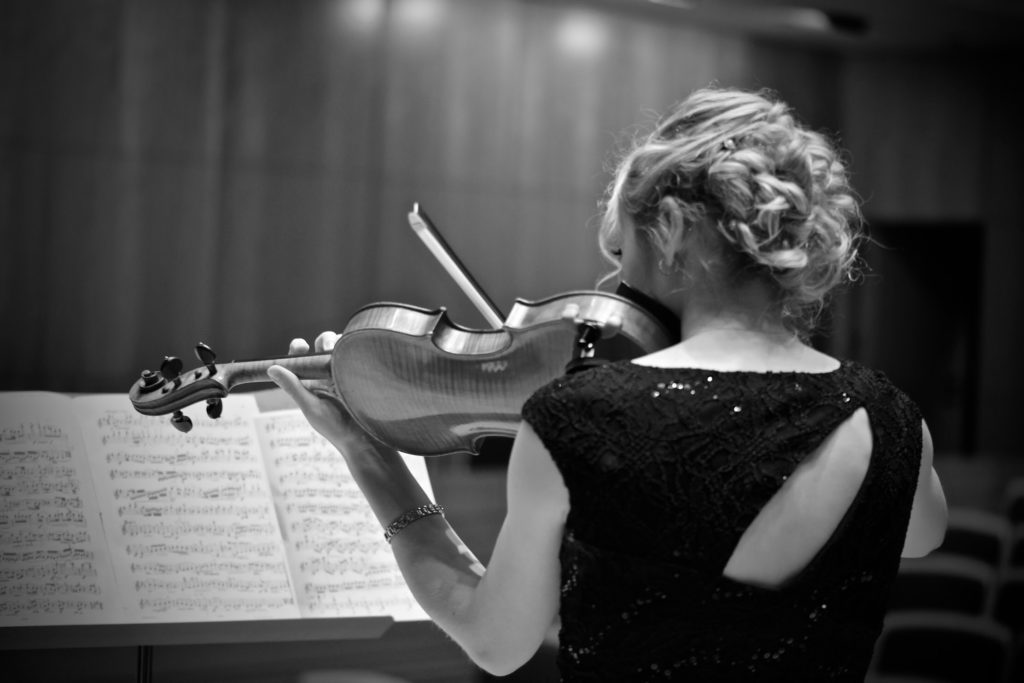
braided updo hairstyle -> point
(775, 194)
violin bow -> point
(431, 236)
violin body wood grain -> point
(423, 385)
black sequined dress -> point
(666, 468)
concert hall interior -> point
(240, 174)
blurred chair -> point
(1008, 601)
(1016, 672)
(943, 583)
(977, 534)
(1013, 501)
(948, 647)
(1015, 553)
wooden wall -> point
(934, 142)
(239, 172)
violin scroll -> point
(170, 390)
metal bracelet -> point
(410, 516)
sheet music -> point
(189, 518)
(340, 562)
(54, 567)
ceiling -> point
(879, 25)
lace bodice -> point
(666, 468)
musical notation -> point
(18, 472)
(158, 437)
(185, 584)
(176, 528)
(9, 503)
(184, 476)
(253, 516)
(50, 588)
(206, 568)
(53, 566)
(213, 606)
(15, 608)
(141, 509)
(319, 493)
(353, 562)
(49, 573)
(323, 509)
(34, 538)
(33, 431)
(333, 527)
(338, 546)
(204, 548)
(189, 514)
(175, 493)
(49, 555)
(335, 545)
(37, 457)
(48, 515)
(39, 487)
(186, 459)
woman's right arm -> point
(500, 615)
(928, 516)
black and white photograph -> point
(539, 341)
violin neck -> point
(155, 395)
(308, 366)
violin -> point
(421, 384)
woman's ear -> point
(670, 233)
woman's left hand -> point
(322, 407)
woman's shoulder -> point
(570, 386)
(875, 380)
(583, 391)
(586, 392)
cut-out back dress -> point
(666, 468)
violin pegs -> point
(181, 421)
(150, 379)
(206, 356)
(171, 368)
(214, 407)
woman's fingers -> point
(291, 385)
(325, 341)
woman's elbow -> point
(497, 667)
(927, 534)
(919, 545)
(498, 657)
(929, 518)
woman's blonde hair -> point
(776, 193)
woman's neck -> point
(738, 333)
(747, 312)
(744, 327)
(725, 343)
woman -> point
(733, 507)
